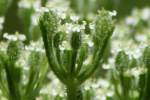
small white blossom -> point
(103, 83)
(91, 26)
(63, 16)
(131, 21)
(21, 37)
(141, 38)
(60, 13)
(146, 14)
(34, 47)
(110, 93)
(25, 4)
(1, 20)
(15, 37)
(10, 37)
(76, 28)
(106, 66)
(42, 9)
(113, 13)
(90, 44)
(35, 18)
(74, 18)
(68, 27)
(64, 46)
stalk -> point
(74, 93)
(146, 60)
(147, 87)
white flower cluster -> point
(113, 13)
(1, 22)
(29, 4)
(103, 89)
(42, 9)
(136, 72)
(34, 46)
(65, 46)
(110, 64)
(74, 18)
(61, 13)
(70, 27)
(145, 14)
(131, 21)
(16, 37)
(87, 39)
(136, 52)
(137, 15)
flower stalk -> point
(68, 65)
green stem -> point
(124, 90)
(74, 93)
(73, 62)
(147, 87)
(97, 60)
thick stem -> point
(74, 93)
(147, 87)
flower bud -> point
(34, 59)
(122, 61)
(103, 28)
(48, 23)
(13, 50)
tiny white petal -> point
(113, 13)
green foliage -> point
(11, 73)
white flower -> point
(25, 4)
(21, 37)
(10, 37)
(137, 53)
(91, 26)
(64, 46)
(110, 93)
(106, 66)
(113, 13)
(15, 37)
(74, 18)
(69, 27)
(131, 21)
(63, 16)
(60, 13)
(146, 14)
(103, 83)
(35, 18)
(76, 28)
(82, 27)
(142, 45)
(42, 9)
(1, 20)
(90, 44)
(141, 38)
(135, 71)
(34, 47)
